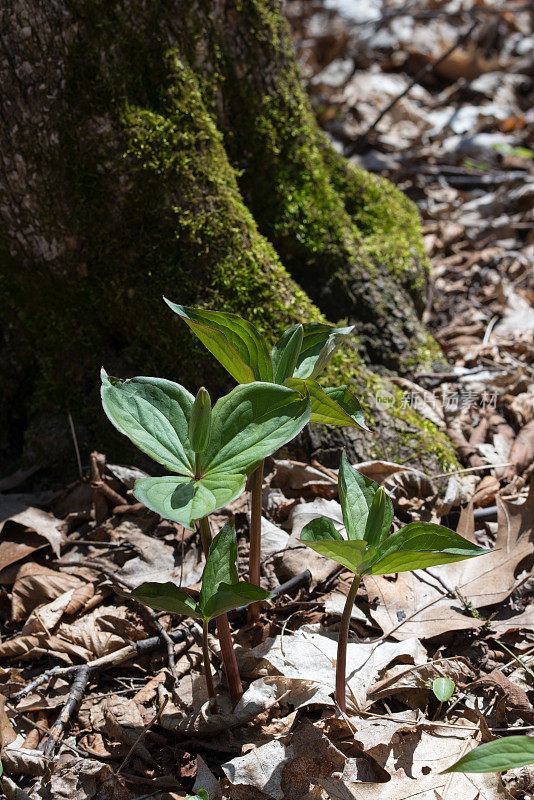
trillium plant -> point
(210, 451)
(221, 591)
(369, 549)
(296, 360)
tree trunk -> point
(151, 148)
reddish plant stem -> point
(223, 631)
(207, 666)
(341, 663)
(255, 538)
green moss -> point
(211, 185)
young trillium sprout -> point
(221, 591)
(296, 360)
(443, 689)
(210, 451)
(370, 550)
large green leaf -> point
(285, 353)
(250, 423)
(356, 495)
(220, 563)
(230, 596)
(154, 414)
(185, 500)
(318, 346)
(379, 519)
(496, 756)
(166, 597)
(234, 342)
(419, 545)
(321, 535)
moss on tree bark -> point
(151, 148)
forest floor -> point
(92, 706)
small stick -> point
(76, 693)
(76, 448)
(141, 648)
(143, 733)
(255, 539)
(426, 70)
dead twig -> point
(77, 691)
(142, 735)
(426, 70)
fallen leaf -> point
(310, 653)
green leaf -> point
(230, 596)
(234, 342)
(220, 563)
(443, 689)
(325, 409)
(165, 597)
(419, 545)
(154, 414)
(202, 795)
(501, 754)
(321, 535)
(318, 346)
(356, 495)
(250, 423)
(185, 500)
(286, 352)
(349, 404)
(379, 519)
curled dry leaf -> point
(297, 479)
(310, 653)
(35, 585)
(35, 519)
(260, 695)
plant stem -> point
(223, 631)
(207, 666)
(341, 664)
(255, 538)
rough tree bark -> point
(149, 148)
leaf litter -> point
(458, 144)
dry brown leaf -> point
(87, 633)
(522, 451)
(261, 694)
(35, 585)
(420, 600)
(310, 653)
(206, 780)
(124, 723)
(378, 471)
(75, 778)
(414, 760)
(34, 519)
(299, 769)
(297, 479)
(157, 560)
(17, 760)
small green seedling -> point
(211, 451)
(201, 795)
(443, 689)
(221, 591)
(511, 752)
(296, 360)
(369, 550)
